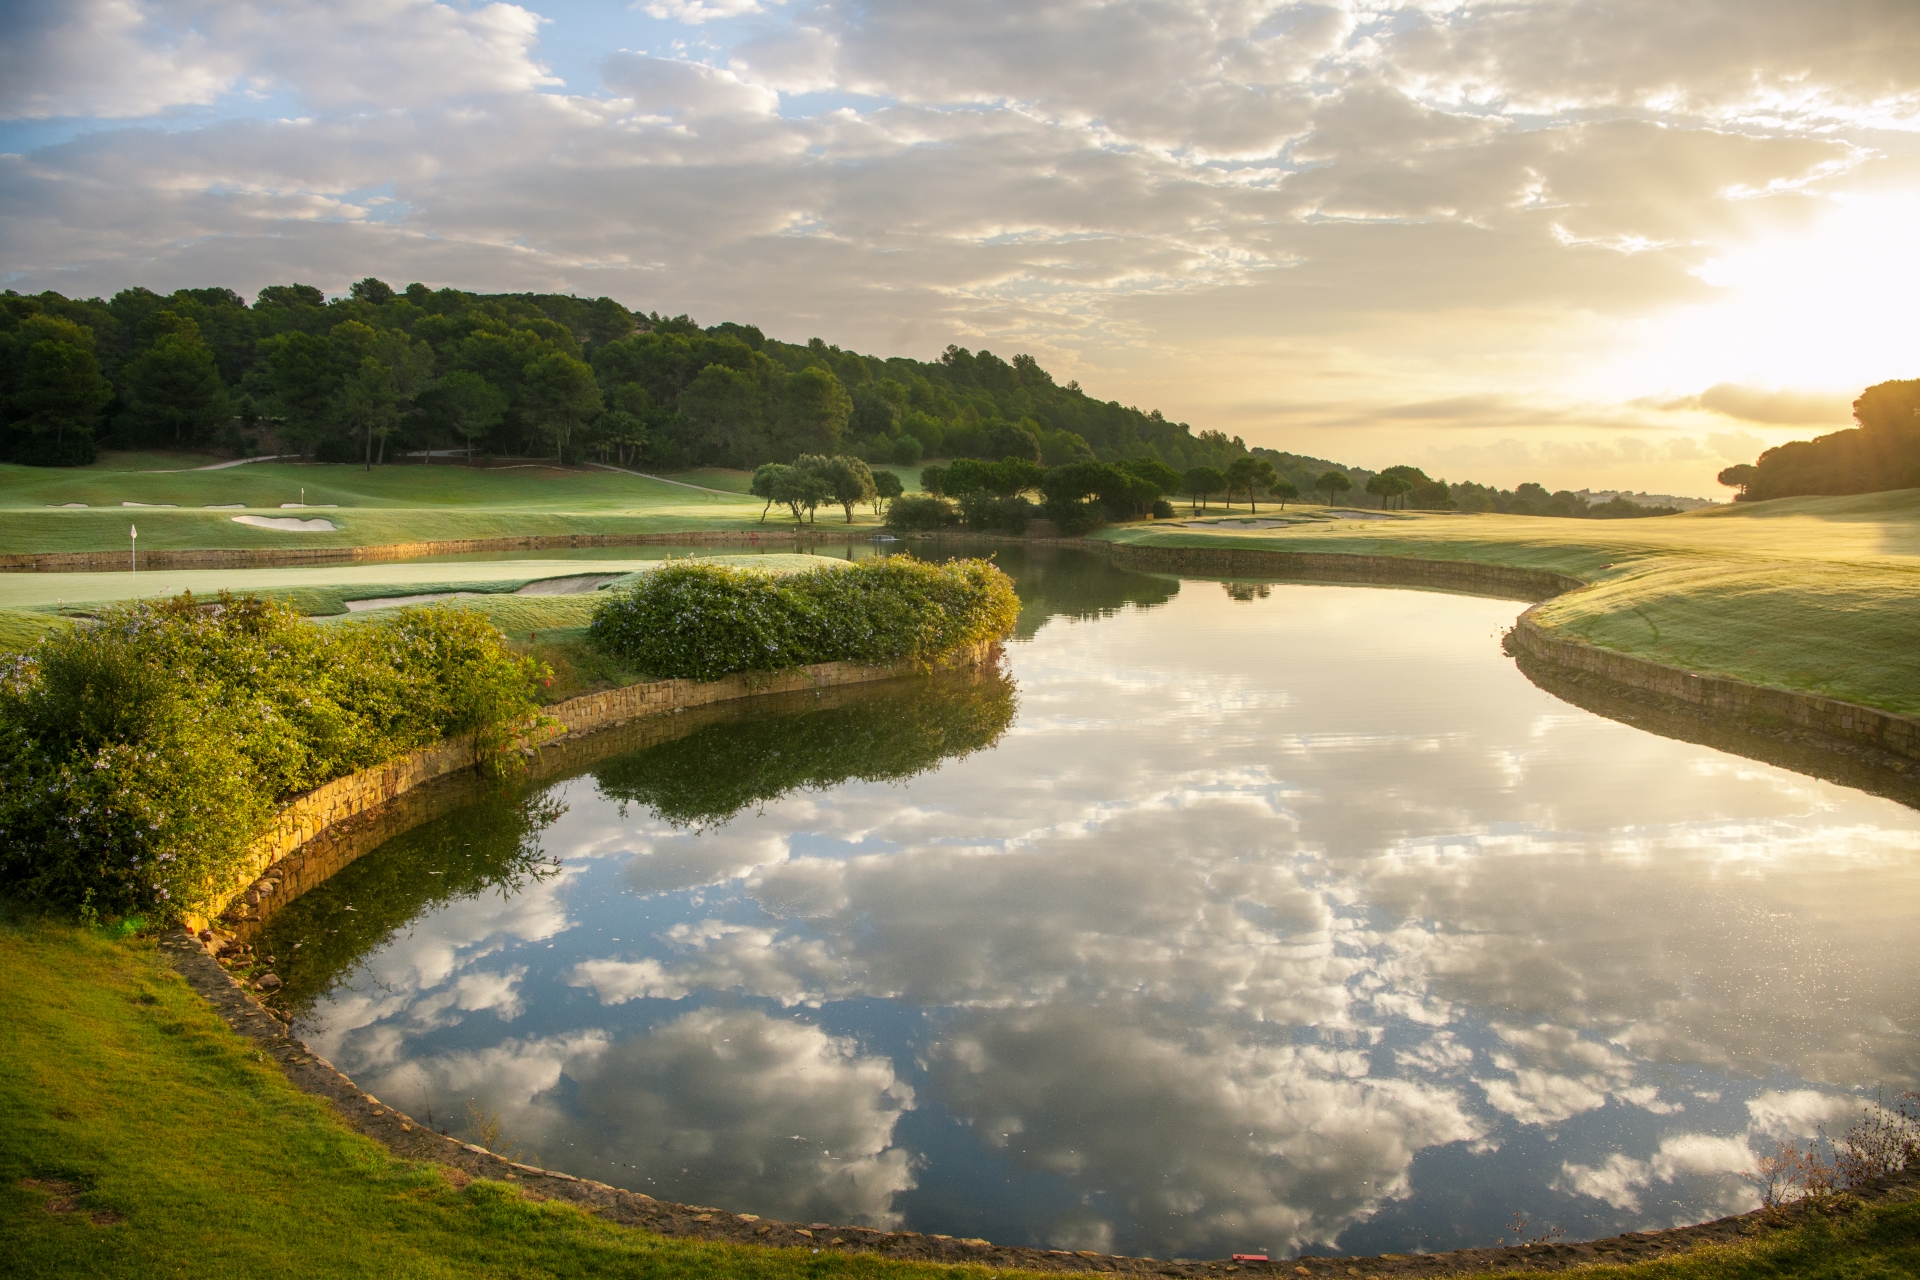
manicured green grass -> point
(1814, 594)
(385, 505)
(117, 1080)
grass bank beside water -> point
(146, 1138)
(1819, 595)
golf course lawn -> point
(1820, 595)
(146, 1138)
(34, 603)
(385, 505)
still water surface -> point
(1225, 919)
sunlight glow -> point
(1829, 309)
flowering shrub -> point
(703, 621)
(140, 757)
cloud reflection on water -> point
(1256, 906)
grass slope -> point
(192, 1155)
(1815, 594)
(385, 505)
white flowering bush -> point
(703, 621)
(139, 758)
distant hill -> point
(385, 370)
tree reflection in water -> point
(887, 734)
(726, 761)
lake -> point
(1227, 917)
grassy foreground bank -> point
(1820, 595)
(158, 1142)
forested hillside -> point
(1883, 452)
(379, 373)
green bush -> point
(703, 621)
(922, 512)
(990, 514)
(140, 757)
(1074, 518)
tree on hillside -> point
(466, 403)
(1164, 479)
(60, 391)
(1332, 483)
(722, 408)
(769, 482)
(1251, 474)
(368, 403)
(1286, 491)
(934, 480)
(801, 489)
(886, 487)
(300, 378)
(814, 412)
(173, 389)
(561, 394)
(410, 365)
(1200, 482)
(1387, 486)
(623, 425)
(849, 480)
(1739, 476)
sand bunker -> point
(391, 602)
(224, 506)
(569, 586)
(148, 504)
(288, 524)
(81, 505)
(574, 586)
(1237, 524)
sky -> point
(1605, 243)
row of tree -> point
(381, 372)
(812, 481)
(1882, 453)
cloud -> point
(330, 53)
(1788, 408)
(1328, 228)
(1620, 1179)
(695, 12)
(1224, 1141)
(765, 1114)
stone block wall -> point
(1470, 577)
(269, 874)
(1734, 701)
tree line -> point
(1882, 453)
(383, 372)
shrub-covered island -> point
(142, 755)
(703, 621)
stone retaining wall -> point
(1751, 705)
(1883, 740)
(1470, 577)
(264, 877)
(282, 557)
